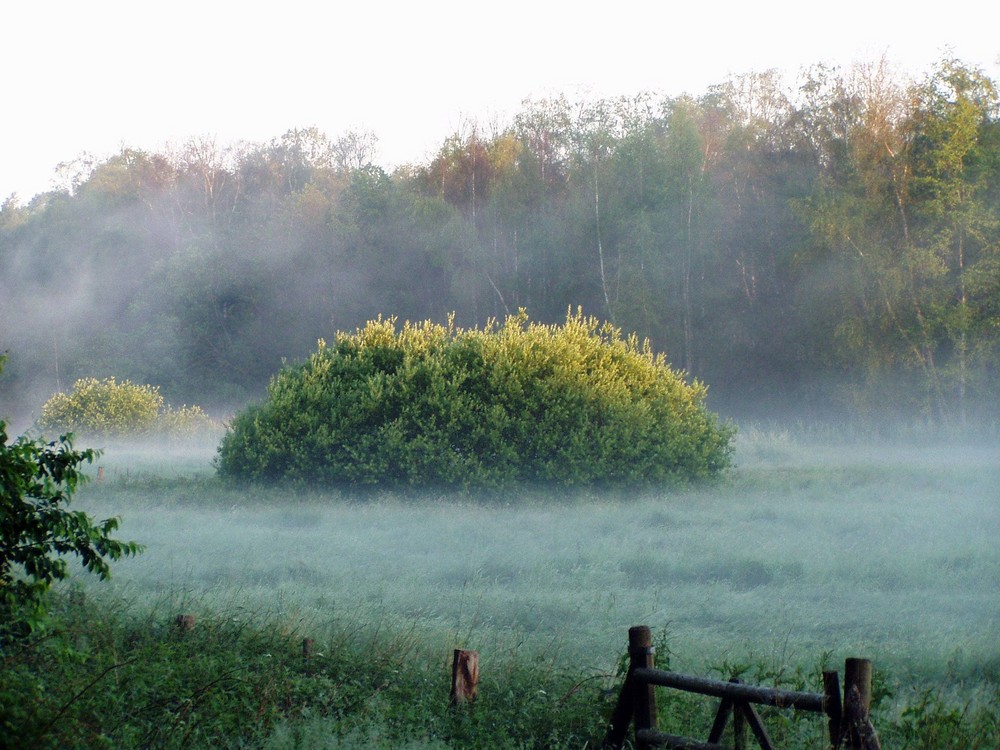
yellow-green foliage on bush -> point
(103, 408)
(433, 405)
(185, 423)
(111, 409)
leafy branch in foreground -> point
(37, 480)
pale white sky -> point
(98, 75)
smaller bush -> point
(110, 409)
(103, 408)
(185, 423)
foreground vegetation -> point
(239, 679)
(113, 675)
(38, 532)
(805, 554)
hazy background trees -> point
(824, 247)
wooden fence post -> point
(464, 677)
(308, 652)
(739, 727)
(857, 732)
(831, 694)
(641, 655)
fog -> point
(860, 517)
(806, 549)
(204, 267)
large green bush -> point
(433, 405)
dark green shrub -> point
(433, 405)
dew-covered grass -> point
(807, 552)
(806, 548)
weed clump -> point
(439, 406)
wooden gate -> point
(849, 725)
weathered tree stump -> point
(184, 623)
(464, 677)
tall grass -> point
(887, 552)
(806, 552)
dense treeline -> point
(832, 244)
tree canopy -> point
(827, 245)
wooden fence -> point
(849, 725)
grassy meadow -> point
(807, 552)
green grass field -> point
(888, 553)
(806, 553)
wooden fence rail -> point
(849, 725)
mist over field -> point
(821, 254)
(806, 551)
